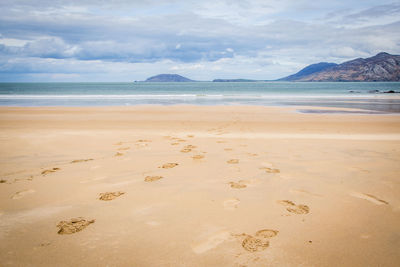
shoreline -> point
(359, 104)
(294, 109)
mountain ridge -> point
(379, 68)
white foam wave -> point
(187, 96)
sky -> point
(128, 40)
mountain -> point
(382, 67)
(308, 71)
(168, 78)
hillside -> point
(308, 71)
(382, 67)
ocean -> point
(365, 96)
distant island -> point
(168, 78)
(383, 67)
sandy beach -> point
(198, 186)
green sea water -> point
(366, 96)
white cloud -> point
(13, 42)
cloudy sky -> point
(127, 40)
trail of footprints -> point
(251, 243)
(257, 242)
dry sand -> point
(241, 186)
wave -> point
(186, 96)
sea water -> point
(366, 96)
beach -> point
(198, 186)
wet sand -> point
(198, 186)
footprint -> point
(118, 144)
(110, 195)
(267, 233)
(233, 161)
(143, 141)
(270, 170)
(169, 165)
(188, 148)
(231, 203)
(124, 148)
(118, 154)
(72, 226)
(181, 140)
(174, 144)
(238, 185)
(258, 242)
(80, 160)
(370, 198)
(253, 244)
(293, 208)
(21, 194)
(190, 135)
(198, 157)
(211, 242)
(2, 181)
(245, 183)
(252, 154)
(152, 178)
(50, 171)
